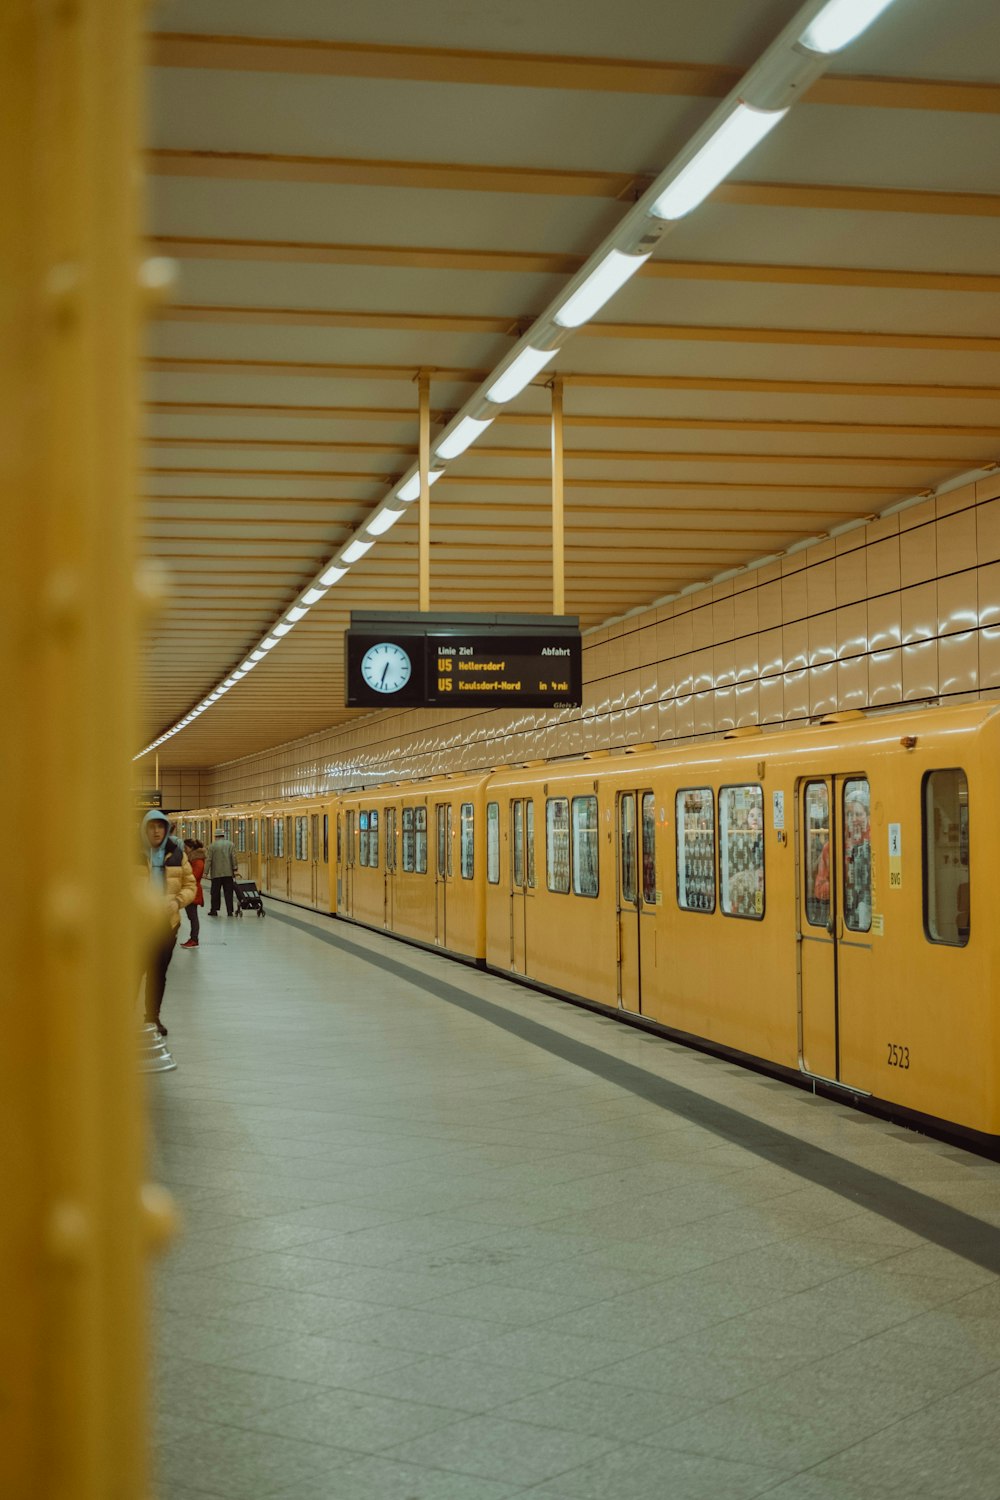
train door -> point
(314, 852)
(443, 871)
(522, 878)
(835, 925)
(389, 907)
(636, 896)
(347, 863)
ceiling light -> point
(518, 374)
(281, 629)
(257, 655)
(839, 22)
(296, 613)
(267, 643)
(464, 434)
(354, 550)
(239, 673)
(380, 523)
(411, 489)
(735, 137)
(313, 596)
(602, 283)
(332, 575)
(248, 665)
(230, 680)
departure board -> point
(438, 661)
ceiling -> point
(353, 193)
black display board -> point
(468, 660)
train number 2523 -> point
(899, 1057)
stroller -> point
(248, 898)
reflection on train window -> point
(263, 838)
(466, 822)
(390, 838)
(349, 832)
(409, 842)
(241, 835)
(648, 848)
(857, 844)
(816, 832)
(253, 836)
(517, 840)
(314, 836)
(696, 849)
(288, 833)
(420, 835)
(557, 844)
(373, 838)
(626, 819)
(362, 838)
(279, 838)
(445, 857)
(326, 838)
(946, 857)
(585, 881)
(529, 841)
(301, 838)
(493, 843)
(741, 851)
(339, 839)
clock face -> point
(386, 667)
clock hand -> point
(384, 670)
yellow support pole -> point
(424, 518)
(74, 1232)
(558, 528)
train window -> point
(816, 832)
(585, 853)
(696, 849)
(420, 836)
(529, 841)
(263, 838)
(326, 838)
(409, 844)
(390, 838)
(493, 843)
(741, 851)
(254, 835)
(557, 844)
(288, 833)
(517, 839)
(466, 820)
(279, 837)
(314, 837)
(301, 838)
(373, 838)
(339, 839)
(946, 857)
(349, 838)
(626, 818)
(648, 848)
(241, 835)
(443, 814)
(362, 838)
(857, 855)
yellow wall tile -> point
(745, 612)
(917, 515)
(822, 638)
(946, 505)
(917, 555)
(989, 658)
(723, 619)
(852, 576)
(796, 695)
(920, 670)
(957, 602)
(918, 612)
(770, 652)
(769, 605)
(852, 631)
(795, 646)
(821, 587)
(852, 683)
(988, 531)
(882, 566)
(958, 662)
(772, 697)
(988, 590)
(794, 597)
(885, 677)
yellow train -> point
(800, 900)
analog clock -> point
(386, 667)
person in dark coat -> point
(196, 857)
(172, 887)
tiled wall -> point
(182, 788)
(903, 609)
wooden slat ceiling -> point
(357, 192)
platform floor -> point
(448, 1239)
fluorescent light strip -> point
(332, 575)
(839, 22)
(734, 139)
(464, 434)
(380, 523)
(600, 286)
(411, 489)
(313, 596)
(296, 613)
(268, 643)
(281, 629)
(354, 550)
(519, 374)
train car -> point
(293, 857)
(406, 862)
(801, 899)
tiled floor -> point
(451, 1240)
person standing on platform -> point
(172, 885)
(220, 868)
(196, 854)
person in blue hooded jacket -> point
(173, 886)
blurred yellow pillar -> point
(72, 1235)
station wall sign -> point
(146, 800)
(411, 660)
